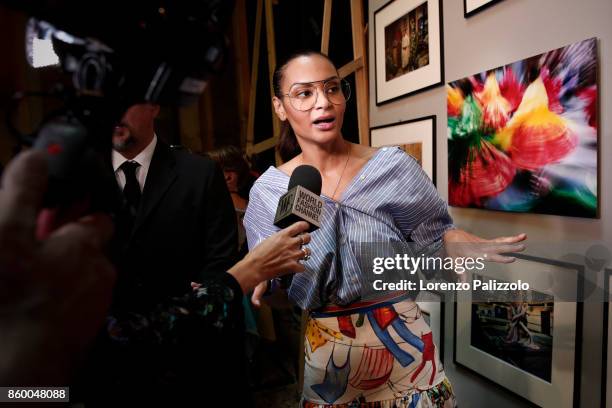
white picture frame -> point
(420, 131)
(563, 388)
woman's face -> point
(321, 124)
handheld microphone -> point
(303, 201)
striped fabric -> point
(391, 199)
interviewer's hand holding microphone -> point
(278, 255)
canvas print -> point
(415, 150)
(407, 43)
(524, 137)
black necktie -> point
(131, 191)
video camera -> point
(115, 54)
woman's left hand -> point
(460, 243)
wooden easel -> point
(358, 65)
(251, 147)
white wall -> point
(508, 31)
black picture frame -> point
(376, 62)
(433, 118)
(477, 10)
(580, 269)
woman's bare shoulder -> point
(363, 152)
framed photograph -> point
(524, 137)
(471, 7)
(531, 345)
(408, 48)
(432, 307)
(606, 377)
(417, 137)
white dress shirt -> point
(143, 158)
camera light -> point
(43, 54)
(39, 44)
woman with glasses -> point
(360, 351)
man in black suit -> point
(177, 226)
(178, 223)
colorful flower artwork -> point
(523, 137)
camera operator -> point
(54, 294)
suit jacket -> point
(184, 231)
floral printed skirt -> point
(381, 356)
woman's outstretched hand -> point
(460, 243)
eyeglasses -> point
(303, 96)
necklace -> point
(348, 155)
